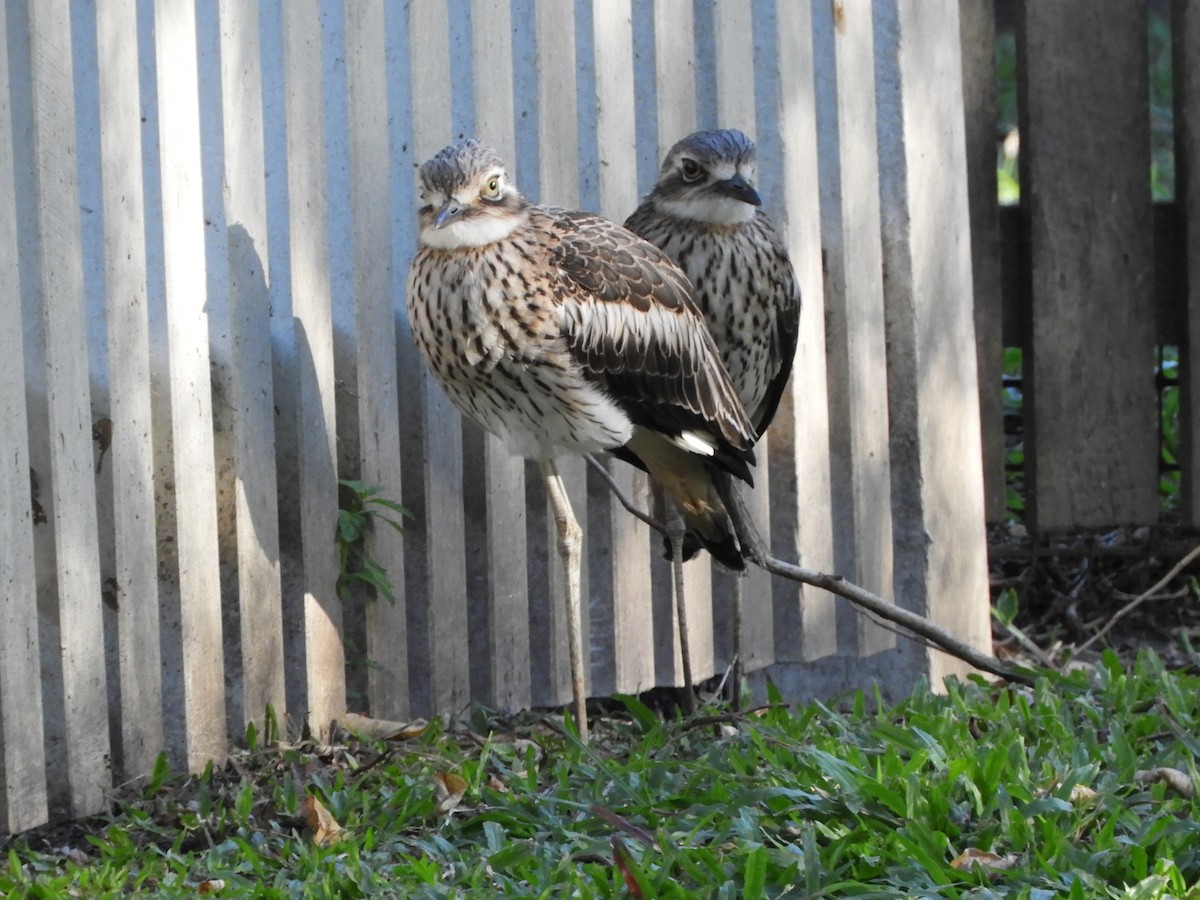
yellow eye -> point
(491, 190)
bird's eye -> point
(491, 190)
(691, 171)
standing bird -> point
(705, 213)
(561, 332)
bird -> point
(705, 213)
(562, 333)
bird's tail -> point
(687, 479)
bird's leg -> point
(736, 676)
(675, 532)
(570, 544)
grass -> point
(814, 802)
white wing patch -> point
(696, 442)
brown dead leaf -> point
(1180, 782)
(497, 785)
(320, 822)
(383, 729)
(618, 821)
(973, 857)
(211, 886)
(624, 863)
(450, 790)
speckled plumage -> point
(703, 213)
(561, 332)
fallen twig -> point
(755, 550)
(620, 495)
(1139, 600)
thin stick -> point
(625, 501)
(1139, 600)
(756, 552)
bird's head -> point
(467, 199)
(709, 177)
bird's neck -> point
(717, 212)
(477, 229)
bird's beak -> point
(450, 211)
(739, 188)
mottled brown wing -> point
(787, 325)
(630, 321)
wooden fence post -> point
(71, 465)
(23, 801)
(443, 616)
(1185, 26)
(375, 335)
(623, 631)
(1085, 170)
(308, 231)
(131, 459)
(860, 466)
(805, 621)
(941, 552)
(978, 40)
(252, 393)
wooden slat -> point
(1185, 26)
(632, 628)
(734, 46)
(378, 409)
(1085, 185)
(941, 553)
(507, 661)
(558, 179)
(312, 311)
(445, 601)
(23, 802)
(978, 41)
(131, 455)
(73, 482)
(190, 391)
(675, 95)
(805, 625)
(858, 383)
(252, 395)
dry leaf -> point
(623, 862)
(320, 822)
(497, 785)
(211, 886)
(1081, 793)
(973, 857)
(383, 729)
(624, 824)
(450, 790)
(1180, 782)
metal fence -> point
(206, 217)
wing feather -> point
(787, 325)
(629, 320)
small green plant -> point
(361, 507)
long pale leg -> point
(675, 532)
(570, 543)
(739, 600)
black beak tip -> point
(739, 188)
